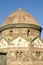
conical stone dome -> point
(20, 19)
(20, 16)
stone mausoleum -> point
(20, 40)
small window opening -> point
(17, 54)
(21, 54)
(11, 31)
(37, 55)
(28, 32)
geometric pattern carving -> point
(38, 43)
(21, 42)
(18, 42)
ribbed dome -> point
(20, 16)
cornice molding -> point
(20, 26)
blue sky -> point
(35, 7)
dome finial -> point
(20, 8)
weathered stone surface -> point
(22, 45)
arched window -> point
(19, 54)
